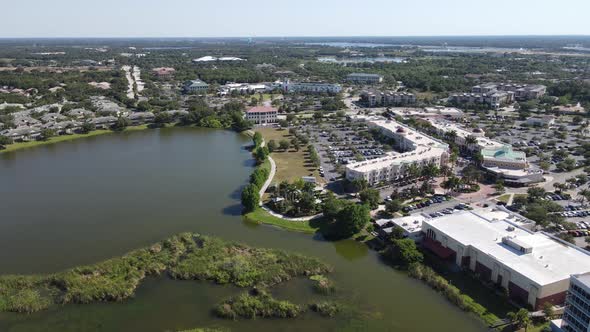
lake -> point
(86, 200)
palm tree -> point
(520, 318)
(470, 141)
(471, 174)
(445, 171)
(453, 160)
(451, 136)
(413, 171)
(429, 171)
(451, 183)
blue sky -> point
(252, 18)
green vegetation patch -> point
(452, 293)
(326, 308)
(64, 138)
(257, 303)
(261, 216)
(323, 285)
(207, 329)
(243, 266)
(184, 256)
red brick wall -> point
(554, 299)
(437, 248)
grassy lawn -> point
(504, 198)
(64, 138)
(261, 216)
(291, 164)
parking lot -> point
(339, 142)
(553, 144)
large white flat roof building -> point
(534, 267)
(462, 134)
(427, 112)
(419, 149)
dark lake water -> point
(83, 201)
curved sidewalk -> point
(271, 175)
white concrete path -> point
(271, 175)
(273, 171)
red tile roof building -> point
(163, 72)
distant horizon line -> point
(295, 36)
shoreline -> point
(65, 138)
(260, 216)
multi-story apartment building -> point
(262, 115)
(244, 88)
(524, 91)
(520, 91)
(576, 317)
(415, 149)
(495, 98)
(472, 140)
(387, 98)
(363, 78)
(534, 268)
(428, 112)
(310, 87)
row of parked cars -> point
(579, 233)
(573, 208)
(582, 226)
(450, 210)
(372, 152)
(434, 200)
(556, 197)
(575, 214)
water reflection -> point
(351, 250)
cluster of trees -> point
(296, 199)
(450, 292)
(470, 175)
(4, 141)
(344, 218)
(251, 192)
(535, 208)
(571, 91)
(229, 116)
(332, 103)
(282, 145)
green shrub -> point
(257, 303)
(451, 293)
(322, 284)
(184, 256)
(326, 309)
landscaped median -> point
(65, 138)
